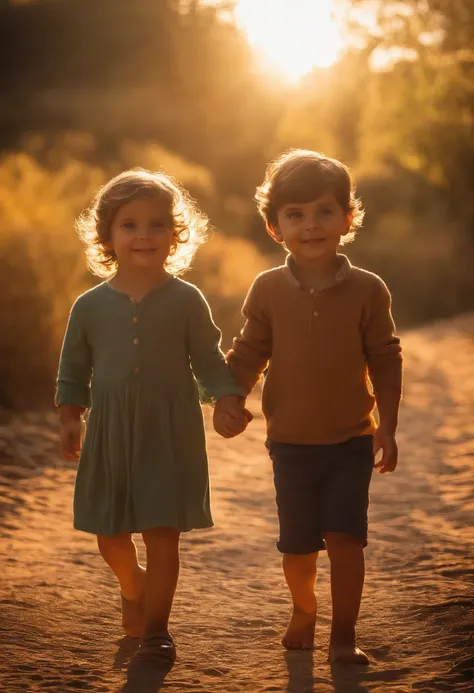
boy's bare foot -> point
(347, 654)
(300, 633)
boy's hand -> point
(70, 439)
(387, 443)
(230, 416)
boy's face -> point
(311, 230)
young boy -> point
(322, 327)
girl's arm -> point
(207, 360)
(73, 384)
(75, 365)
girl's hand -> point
(70, 439)
(230, 416)
(387, 443)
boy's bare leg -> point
(300, 574)
(120, 554)
(162, 545)
(346, 555)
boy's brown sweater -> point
(320, 349)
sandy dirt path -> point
(59, 605)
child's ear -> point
(349, 218)
(108, 247)
(274, 232)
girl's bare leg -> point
(162, 546)
(120, 554)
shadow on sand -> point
(143, 676)
(126, 649)
(301, 678)
(300, 671)
(349, 678)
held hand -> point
(70, 439)
(230, 416)
(387, 443)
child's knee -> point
(117, 541)
(301, 563)
(160, 536)
(337, 542)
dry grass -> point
(42, 268)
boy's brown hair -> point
(301, 175)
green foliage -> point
(421, 113)
(104, 85)
(42, 267)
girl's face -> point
(142, 233)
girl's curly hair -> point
(94, 224)
(301, 175)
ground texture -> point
(59, 605)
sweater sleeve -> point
(75, 364)
(382, 346)
(208, 364)
(252, 350)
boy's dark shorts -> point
(321, 488)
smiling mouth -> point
(143, 250)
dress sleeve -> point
(382, 346)
(75, 365)
(252, 350)
(208, 364)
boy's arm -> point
(384, 362)
(252, 350)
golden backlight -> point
(291, 35)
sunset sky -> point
(292, 35)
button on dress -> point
(143, 368)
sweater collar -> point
(342, 274)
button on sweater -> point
(326, 354)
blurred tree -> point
(162, 70)
(173, 82)
(420, 112)
(326, 109)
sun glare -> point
(291, 35)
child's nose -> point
(312, 221)
(143, 231)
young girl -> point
(140, 351)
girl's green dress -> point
(143, 369)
